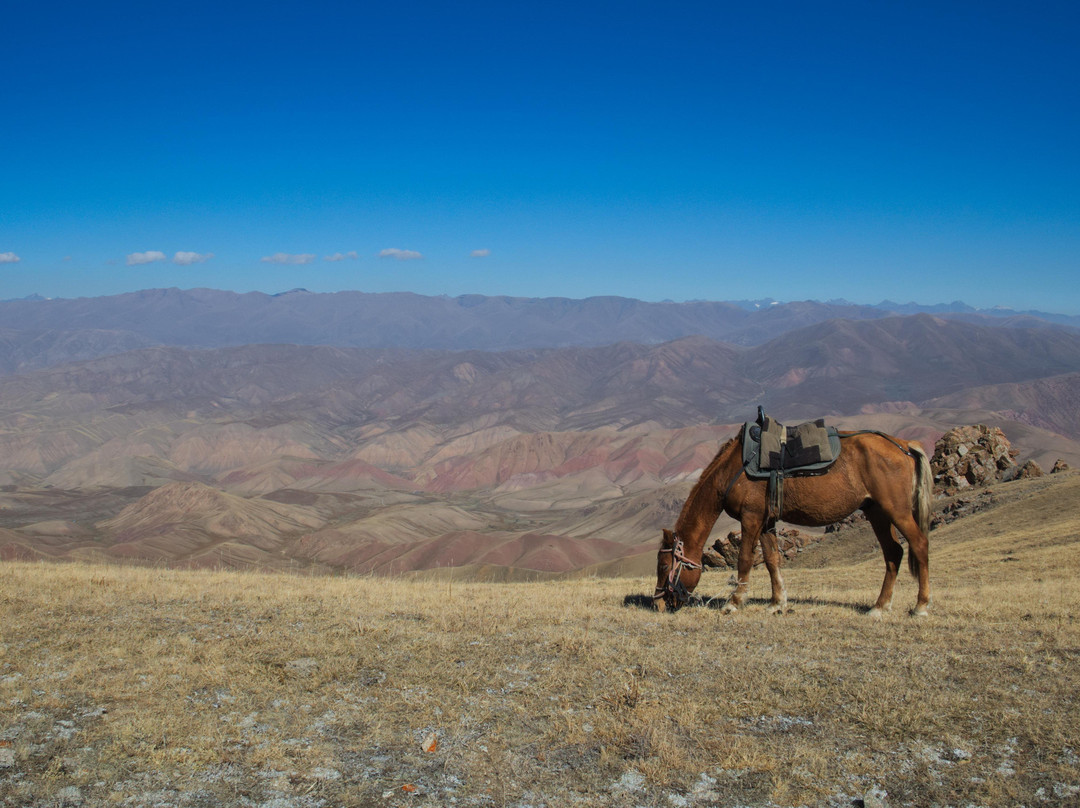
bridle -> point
(673, 587)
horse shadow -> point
(718, 602)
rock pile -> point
(725, 551)
(963, 506)
(972, 455)
(852, 520)
(1027, 471)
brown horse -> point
(887, 478)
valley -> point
(509, 465)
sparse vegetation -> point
(148, 687)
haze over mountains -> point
(36, 332)
(567, 449)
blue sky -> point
(911, 151)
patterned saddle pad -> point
(772, 448)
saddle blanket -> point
(771, 448)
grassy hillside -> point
(144, 687)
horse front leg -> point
(751, 530)
(770, 548)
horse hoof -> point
(920, 611)
(729, 608)
(876, 613)
(777, 608)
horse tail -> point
(922, 493)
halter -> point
(674, 585)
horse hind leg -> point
(893, 552)
(918, 563)
(918, 558)
(771, 551)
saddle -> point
(772, 451)
(793, 451)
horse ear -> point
(669, 535)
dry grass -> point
(144, 687)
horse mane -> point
(711, 469)
(706, 479)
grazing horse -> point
(889, 479)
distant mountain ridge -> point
(22, 351)
(208, 318)
(324, 402)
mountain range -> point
(163, 442)
(38, 332)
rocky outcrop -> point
(964, 505)
(1059, 466)
(856, 518)
(725, 551)
(972, 456)
(1027, 471)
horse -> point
(888, 478)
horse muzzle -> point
(671, 597)
(673, 593)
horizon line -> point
(954, 306)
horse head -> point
(676, 575)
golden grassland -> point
(125, 686)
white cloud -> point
(288, 258)
(400, 255)
(9, 258)
(188, 258)
(480, 253)
(148, 257)
(351, 254)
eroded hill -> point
(522, 463)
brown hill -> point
(314, 475)
(393, 460)
(839, 366)
(14, 546)
(22, 351)
(194, 524)
(1049, 403)
(92, 470)
(236, 407)
(465, 548)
